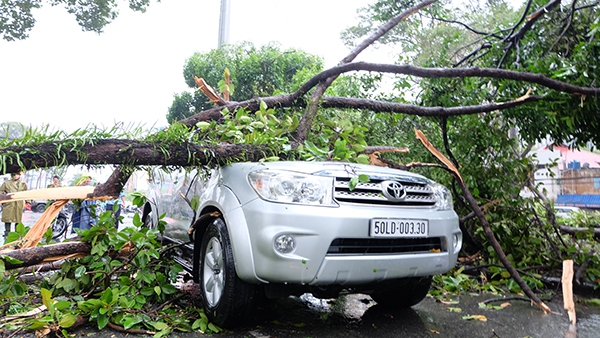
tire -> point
(59, 227)
(403, 296)
(40, 207)
(227, 300)
(149, 221)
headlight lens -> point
(290, 187)
(443, 197)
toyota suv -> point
(249, 230)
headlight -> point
(443, 197)
(290, 187)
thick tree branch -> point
(294, 99)
(457, 73)
(36, 255)
(574, 231)
(410, 109)
(131, 153)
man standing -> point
(12, 212)
(55, 182)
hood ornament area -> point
(393, 190)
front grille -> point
(417, 194)
(346, 246)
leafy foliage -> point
(16, 17)
(126, 281)
(491, 150)
(256, 72)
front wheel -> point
(403, 295)
(148, 221)
(40, 207)
(227, 300)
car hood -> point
(337, 169)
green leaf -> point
(146, 292)
(593, 301)
(38, 324)
(202, 125)
(130, 321)
(102, 321)
(214, 328)
(107, 296)
(353, 183)
(47, 300)
(80, 271)
(200, 324)
(20, 229)
(157, 290)
(169, 289)
(263, 105)
(11, 260)
(69, 284)
(160, 325)
(67, 320)
(62, 304)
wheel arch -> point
(239, 238)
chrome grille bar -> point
(371, 192)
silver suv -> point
(275, 229)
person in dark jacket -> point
(84, 216)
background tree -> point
(540, 37)
(256, 72)
(16, 17)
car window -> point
(168, 190)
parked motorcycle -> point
(60, 224)
(130, 209)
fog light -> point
(285, 244)
(457, 241)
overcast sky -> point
(69, 78)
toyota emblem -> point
(393, 190)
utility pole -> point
(224, 23)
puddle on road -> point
(352, 306)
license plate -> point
(389, 227)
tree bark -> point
(37, 255)
(129, 153)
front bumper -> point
(314, 229)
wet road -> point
(359, 316)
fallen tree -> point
(187, 143)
